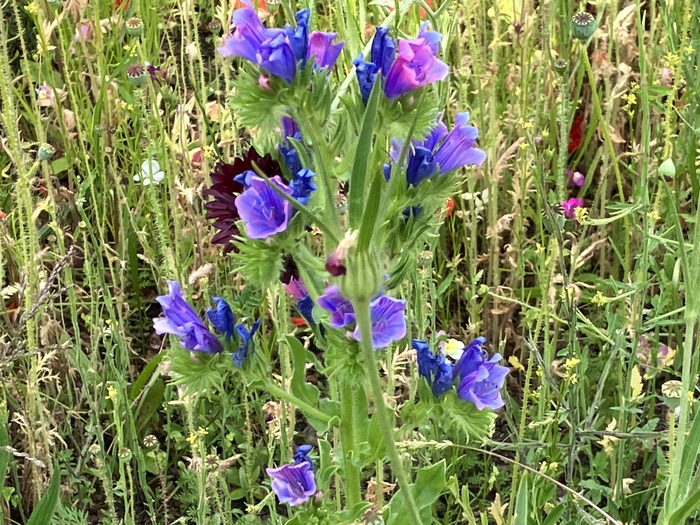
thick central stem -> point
(365, 324)
(348, 422)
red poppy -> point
(576, 134)
(450, 206)
(123, 4)
(299, 321)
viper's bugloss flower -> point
(294, 484)
(302, 185)
(341, 310)
(302, 454)
(290, 129)
(381, 57)
(433, 367)
(182, 321)
(480, 380)
(269, 48)
(299, 36)
(388, 321)
(222, 318)
(383, 50)
(322, 50)
(224, 190)
(263, 211)
(571, 205)
(245, 345)
(415, 66)
(440, 152)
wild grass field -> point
(573, 249)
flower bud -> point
(363, 277)
(583, 25)
(46, 151)
(560, 66)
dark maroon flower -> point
(224, 189)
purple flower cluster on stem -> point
(294, 484)
(277, 51)
(479, 379)
(416, 64)
(440, 151)
(387, 315)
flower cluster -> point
(238, 193)
(439, 152)
(479, 380)
(279, 52)
(182, 321)
(415, 65)
(294, 484)
(386, 313)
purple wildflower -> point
(341, 310)
(439, 151)
(181, 320)
(388, 321)
(322, 50)
(269, 48)
(262, 209)
(480, 380)
(576, 178)
(224, 190)
(294, 484)
(415, 66)
(571, 205)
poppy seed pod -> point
(583, 25)
(134, 26)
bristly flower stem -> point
(364, 322)
(348, 424)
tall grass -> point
(581, 308)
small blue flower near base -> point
(246, 345)
(222, 318)
(182, 321)
(299, 36)
(294, 484)
(480, 380)
(434, 368)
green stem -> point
(291, 398)
(348, 422)
(365, 324)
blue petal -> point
(222, 317)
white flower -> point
(150, 172)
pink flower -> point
(571, 205)
(576, 178)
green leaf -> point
(300, 388)
(144, 376)
(43, 512)
(555, 515)
(521, 503)
(690, 455)
(690, 504)
(363, 155)
(430, 483)
(4, 454)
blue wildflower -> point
(302, 185)
(222, 318)
(263, 211)
(383, 50)
(182, 321)
(301, 455)
(294, 484)
(433, 367)
(299, 36)
(246, 345)
(480, 380)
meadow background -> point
(595, 315)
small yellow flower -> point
(524, 145)
(571, 363)
(515, 363)
(581, 215)
(599, 299)
(32, 8)
(111, 394)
